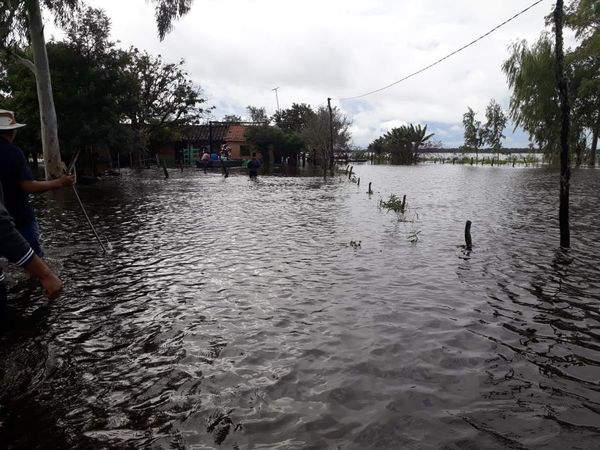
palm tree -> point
(404, 143)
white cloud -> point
(238, 50)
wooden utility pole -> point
(210, 136)
(565, 112)
(330, 135)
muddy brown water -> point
(292, 313)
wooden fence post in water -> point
(369, 191)
(403, 202)
(358, 182)
(468, 241)
(350, 173)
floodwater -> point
(292, 313)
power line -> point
(445, 57)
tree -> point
(494, 126)
(162, 96)
(274, 142)
(232, 118)
(257, 114)
(20, 19)
(533, 102)
(294, 118)
(535, 95)
(473, 132)
(565, 170)
(316, 133)
(583, 16)
(377, 147)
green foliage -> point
(268, 138)
(106, 97)
(258, 114)
(494, 126)
(317, 134)
(394, 203)
(403, 143)
(533, 103)
(355, 244)
(413, 237)
(534, 100)
(295, 118)
(473, 131)
(232, 118)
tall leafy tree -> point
(535, 95)
(533, 102)
(473, 131)
(257, 114)
(583, 16)
(162, 97)
(294, 118)
(21, 21)
(274, 142)
(316, 133)
(494, 126)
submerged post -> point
(369, 191)
(468, 241)
(403, 202)
(330, 135)
(358, 182)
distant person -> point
(253, 166)
(205, 160)
(17, 182)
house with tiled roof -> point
(211, 137)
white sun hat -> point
(7, 120)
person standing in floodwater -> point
(253, 166)
(18, 182)
(205, 160)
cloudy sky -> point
(239, 50)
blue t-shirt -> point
(14, 169)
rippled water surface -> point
(293, 313)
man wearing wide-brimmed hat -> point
(12, 244)
(17, 181)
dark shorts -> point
(31, 233)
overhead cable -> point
(445, 57)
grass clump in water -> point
(394, 203)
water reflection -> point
(237, 314)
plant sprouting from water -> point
(394, 203)
(413, 237)
(355, 244)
